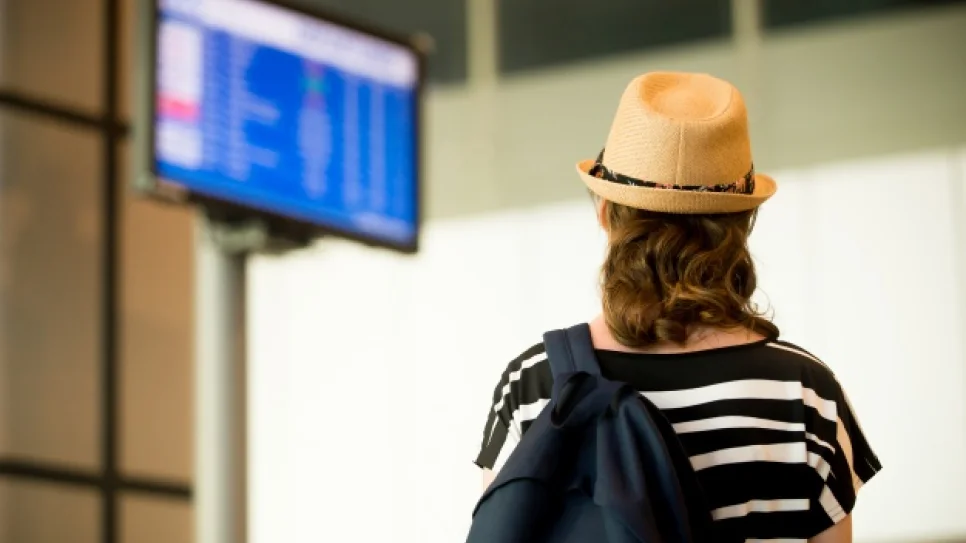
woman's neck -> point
(699, 339)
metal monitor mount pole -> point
(220, 493)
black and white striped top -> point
(769, 430)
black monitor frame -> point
(289, 230)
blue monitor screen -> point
(290, 115)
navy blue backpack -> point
(600, 464)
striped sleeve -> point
(853, 465)
(846, 460)
(518, 392)
(497, 438)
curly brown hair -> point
(666, 275)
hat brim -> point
(680, 202)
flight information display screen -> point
(275, 110)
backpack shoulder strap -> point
(571, 350)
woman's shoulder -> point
(527, 372)
(530, 357)
(811, 368)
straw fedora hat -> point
(679, 144)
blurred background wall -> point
(857, 106)
(859, 116)
(371, 374)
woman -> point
(768, 428)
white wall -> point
(410, 350)
(370, 373)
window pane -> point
(444, 20)
(48, 513)
(157, 349)
(51, 49)
(50, 290)
(785, 13)
(147, 520)
(126, 55)
(538, 33)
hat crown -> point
(680, 129)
